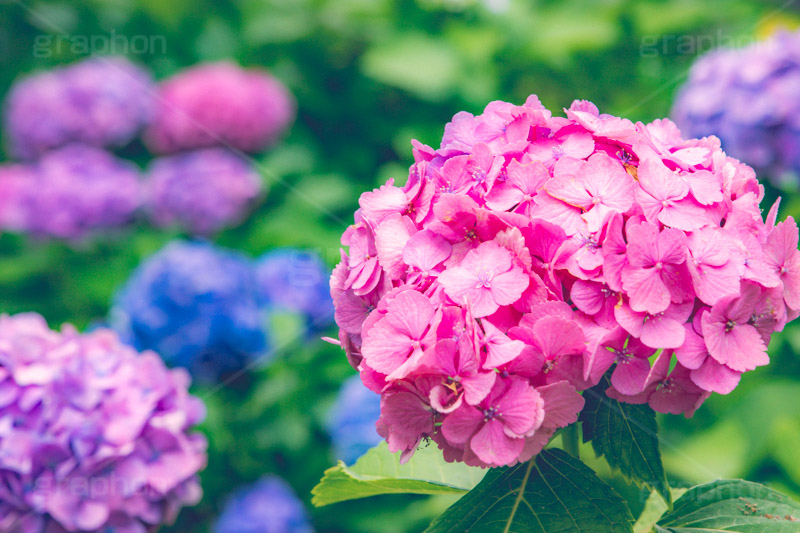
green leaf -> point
(380, 472)
(654, 508)
(627, 436)
(553, 493)
(419, 64)
(732, 505)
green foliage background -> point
(370, 75)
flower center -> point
(491, 413)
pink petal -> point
(693, 352)
(646, 290)
(561, 404)
(715, 377)
(494, 447)
(478, 386)
(630, 375)
(660, 331)
(461, 424)
(705, 186)
(425, 250)
(558, 337)
(507, 287)
(390, 240)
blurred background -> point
(362, 78)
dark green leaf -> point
(732, 505)
(380, 472)
(627, 436)
(554, 493)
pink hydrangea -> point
(220, 104)
(93, 435)
(530, 255)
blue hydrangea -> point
(269, 506)
(351, 421)
(297, 281)
(196, 305)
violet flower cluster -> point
(196, 305)
(531, 254)
(296, 280)
(750, 99)
(95, 437)
(268, 506)
(220, 104)
(351, 421)
(102, 101)
(69, 193)
(202, 191)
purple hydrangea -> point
(750, 99)
(197, 306)
(14, 181)
(351, 421)
(103, 101)
(94, 437)
(202, 191)
(75, 190)
(268, 506)
(297, 281)
(220, 104)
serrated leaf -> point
(732, 505)
(627, 436)
(379, 472)
(553, 493)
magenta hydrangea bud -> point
(95, 436)
(530, 255)
(74, 191)
(202, 191)
(220, 104)
(102, 101)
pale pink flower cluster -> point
(531, 254)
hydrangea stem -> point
(569, 440)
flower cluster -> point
(220, 104)
(750, 99)
(99, 101)
(531, 254)
(69, 193)
(268, 506)
(95, 437)
(202, 191)
(351, 421)
(297, 281)
(197, 306)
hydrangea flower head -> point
(220, 104)
(102, 101)
(268, 506)
(351, 421)
(529, 255)
(14, 182)
(96, 437)
(74, 191)
(197, 306)
(297, 280)
(202, 191)
(748, 97)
